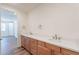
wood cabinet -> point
(43, 50)
(37, 47)
(55, 50)
(27, 43)
(41, 43)
(65, 51)
(33, 46)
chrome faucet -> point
(56, 37)
(30, 33)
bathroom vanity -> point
(37, 45)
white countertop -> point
(72, 45)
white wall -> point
(61, 19)
(22, 20)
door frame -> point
(18, 14)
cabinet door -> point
(68, 52)
(33, 46)
(43, 50)
(55, 50)
(57, 53)
(27, 44)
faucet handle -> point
(53, 37)
(59, 38)
(30, 33)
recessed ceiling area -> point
(26, 7)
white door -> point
(7, 29)
(11, 29)
(4, 29)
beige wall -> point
(61, 19)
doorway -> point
(8, 31)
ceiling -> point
(26, 7)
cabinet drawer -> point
(41, 43)
(68, 52)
